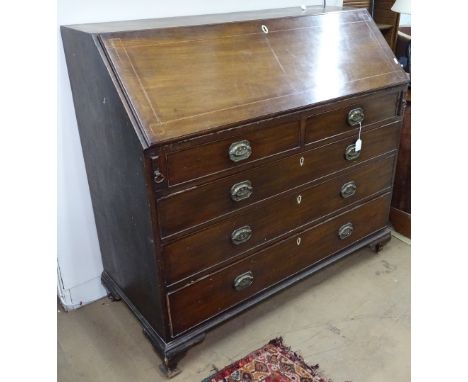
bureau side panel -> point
(115, 167)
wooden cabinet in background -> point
(387, 20)
(400, 213)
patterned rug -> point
(273, 362)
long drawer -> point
(277, 216)
(181, 211)
(237, 282)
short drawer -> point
(369, 110)
(249, 144)
(190, 208)
(227, 287)
(270, 219)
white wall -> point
(79, 259)
(405, 20)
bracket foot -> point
(378, 245)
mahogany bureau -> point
(221, 156)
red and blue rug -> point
(273, 362)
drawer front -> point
(203, 203)
(369, 110)
(221, 290)
(248, 145)
(272, 218)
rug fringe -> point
(297, 357)
(277, 342)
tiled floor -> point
(352, 318)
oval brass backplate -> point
(351, 153)
(243, 281)
(345, 231)
(241, 190)
(239, 151)
(348, 189)
(356, 116)
(241, 235)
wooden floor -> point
(352, 318)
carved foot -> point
(113, 297)
(169, 366)
(112, 294)
(378, 245)
(172, 355)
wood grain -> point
(159, 104)
(174, 78)
(272, 219)
(182, 210)
(212, 295)
(116, 171)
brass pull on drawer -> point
(348, 189)
(240, 150)
(356, 116)
(351, 153)
(241, 190)
(241, 235)
(243, 281)
(345, 231)
(158, 176)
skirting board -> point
(82, 294)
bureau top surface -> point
(187, 80)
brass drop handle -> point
(345, 231)
(241, 235)
(241, 190)
(243, 281)
(351, 153)
(356, 116)
(239, 151)
(158, 176)
(348, 189)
